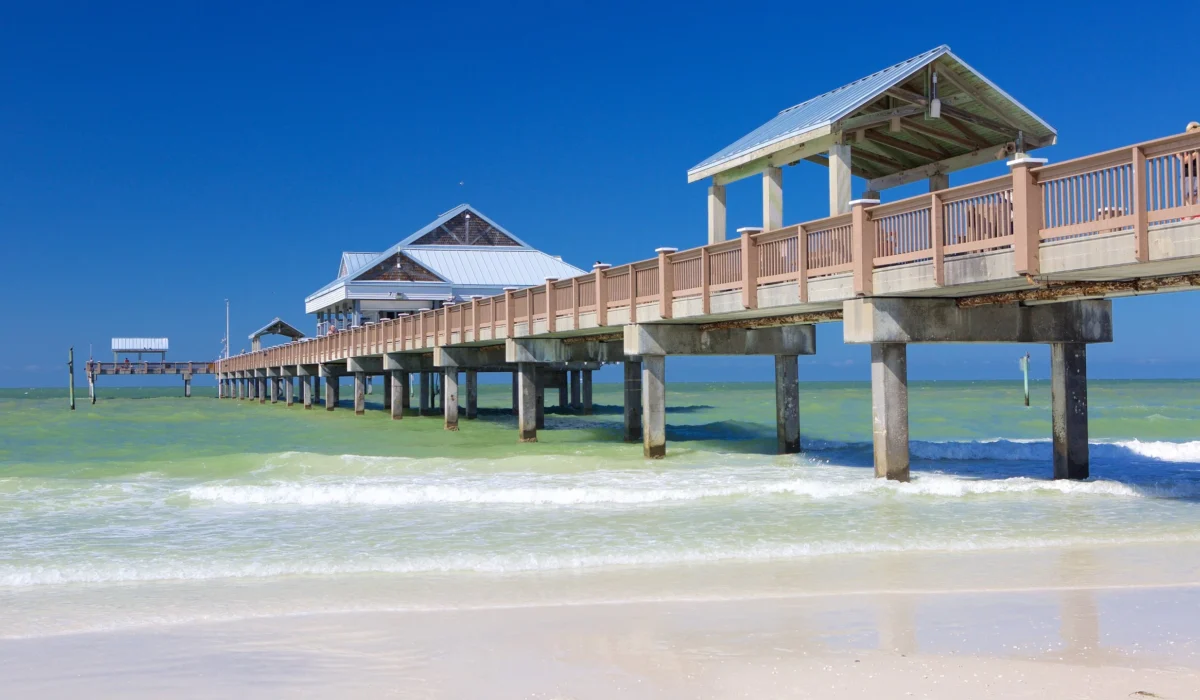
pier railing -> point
(1119, 191)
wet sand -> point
(1095, 623)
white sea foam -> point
(1165, 451)
(522, 562)
(545, 494)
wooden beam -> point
(977, 120)
(900, 145)
(898, 156)
(918, 127)
(946, 72)
(865, 120)
(975, 139)
(966, 160)
(861, 169)
(878, 159)
(782, 152)
(786, 156)
(928, 141)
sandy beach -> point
(1088, 623)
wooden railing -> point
(1124, 190)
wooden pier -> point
(187, 370)
(1029, 257)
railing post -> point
(666, 281)
(749, 268)
(802, 263)
(475, 316)
(705, 282)
(633, 292)
(862, 246)
(510, 312)
(1141, 216)
(1027, 214)
(575, 303)
(937, 239)
(601, 295)
(551, 307)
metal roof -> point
(830, 107)
(508, 267)
(277, 327)
(353, 262)
(139, 344)
(466, 265)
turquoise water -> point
(148, 486)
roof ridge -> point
(852, 83)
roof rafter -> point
(917, 127)
(966, 160)
(885, 140)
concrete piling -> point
(654, 406)
(386, 381)
(187, 387)
(633, 400)
(576, 401)
(424, 398)
(331, 393)
(306, 388)
(406, 396)
(587, 392)
(1068, 401)
(289, 392)
(515, 393)
(539, 396)
(889, 409)
(450, 397)
(472, 394)
(562, 392)
(360, 387)
(527, 402)
(398, 392)
(787, 403)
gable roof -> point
(277, 327)
(815, 116)
(459, 264)
(353, 262)
(447, 216)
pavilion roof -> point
(887, 116)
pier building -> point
(460, 254)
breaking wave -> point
(375, 494)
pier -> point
(136, 348)
(1029, 257)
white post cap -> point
(601, 266)
(864, 202)
(749, 229)
(666, 250)
(1026, 160)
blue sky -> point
(162, 157)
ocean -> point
(147, 493)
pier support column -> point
(527, 385)
(263, 380)
(576, 401)
(787, 403)
(539, 380)
(633, 400)
(316, 389)
(515, 393)
(587, 392)
(92, 389)
(240, 386)
(1068, 402)
(450, 397)
(289, 396)
(273, 389)
(654, 406)
(472, 394)
(406, 395)
(562, 392)
(398, 392)
(331, 393)
(360, 387)
(889, 409)
(424, 398)
(386, 381)
(187, 386)
(306, 388)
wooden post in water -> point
(71, 371)
(1025, 370)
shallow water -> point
(145, 486)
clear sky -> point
(158, 158)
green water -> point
(149, 486)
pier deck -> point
(1118, 223)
